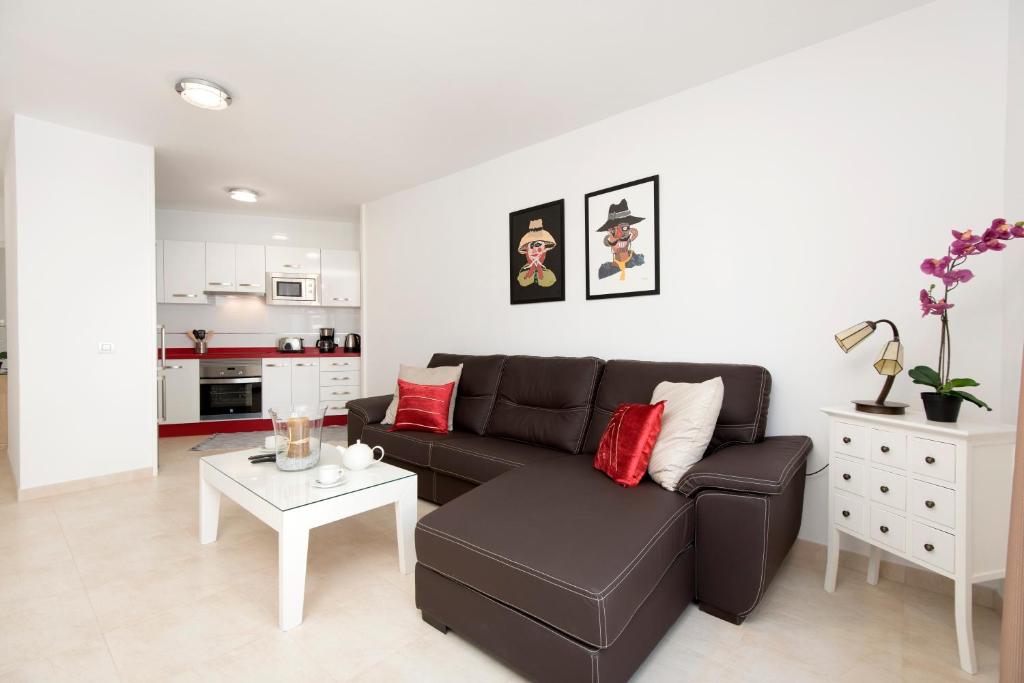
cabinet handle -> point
(884, 529)
(929, 459)
(846, 513)
(846, 476)
(219, 284)
(173, 367)
(304, 365)
(292, 265)
(185, 296)
(341, 298)
(884, 449)
(340, 379)
(276, 365)
(340, 393)
(847, 439)
(246, 284)
(929, 504)
(929, 547)
(883, 489)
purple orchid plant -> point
(949, 269)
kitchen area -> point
(254, 325)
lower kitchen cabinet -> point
(306, 383)
(290, 382)
(180, 392)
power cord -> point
(811, 474)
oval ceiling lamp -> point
(203, 94)
(243, 194)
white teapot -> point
(359, 456)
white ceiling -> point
(337, 103)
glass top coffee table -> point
(288, 503)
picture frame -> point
(622, 246)
(537, 254)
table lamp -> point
(889, 363)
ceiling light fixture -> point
(243, 194)
(203, 94)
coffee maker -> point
(326, 342)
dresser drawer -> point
(932, 502)
(850, 439)
(888, 528)
(339, 378)
(933, 458)
(848, 475)
(889, 448)
(888, 488)
(334, 407)
(849, 512)
(332, 364)
(933, 546)
(340, 393)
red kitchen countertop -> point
(185, 352)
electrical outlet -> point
(106, 347)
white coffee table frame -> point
(293, 526)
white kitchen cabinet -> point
(220, 267)
(277, 386)
(293, 260)
(184, 272)
(160, 296)
(306, 382)
(181, 391)
(250, 268)
(339, 277)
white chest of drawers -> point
(935, 494)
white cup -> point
(328, 474)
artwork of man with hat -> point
(619, 237)
(535, 245)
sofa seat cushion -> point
(481, 458)
(561, 542)
(410, 447)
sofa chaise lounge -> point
(543, 560)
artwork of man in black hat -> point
(620, 236)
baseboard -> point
(83, 484)
(811, 554)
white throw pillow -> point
(691, 411)
(431, 377)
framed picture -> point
(536, 254)
(622, 240)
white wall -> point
(11, 307)
(1013, 268)
(247, 320)
(79, 237)
(797, 197)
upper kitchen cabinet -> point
(160, 296)
(184, 272)
(293, 260)
(220, 267)
(235, 268)
(339, 277)
(251, 268)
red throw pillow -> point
(628, 441)
(422, 407)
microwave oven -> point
(297, 289)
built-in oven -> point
(230, 389)
(299, 289)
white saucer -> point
(317, 484)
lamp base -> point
(887, 408)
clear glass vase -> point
(297, 436)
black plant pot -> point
(940, 407)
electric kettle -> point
(352, 343)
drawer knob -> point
(929, 504)
(929, 547)
(884, 449)
(929, 459)
(884, 529)
(846, 513)
(846, 476)
(883, 488)
(847, 439)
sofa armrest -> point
(371, 409)
(766, 467)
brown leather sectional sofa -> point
(547, 563)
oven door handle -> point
(231, 380)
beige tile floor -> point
(111, 584)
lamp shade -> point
(890, 361)
(852, 336)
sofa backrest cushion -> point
(545, 401)
(478, 385)
(744, 407)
